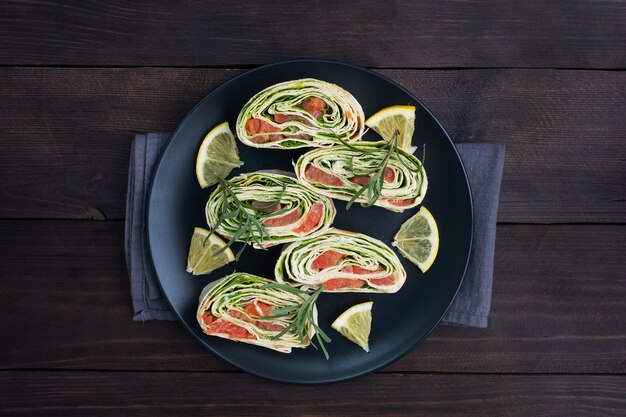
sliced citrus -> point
(386, 121)
(217, 156)
(202, 257)
(356, 323)
(418, 239)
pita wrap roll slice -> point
(300, 113)
(233, 308)
(340, 172)
(287, 210)
(341, 261)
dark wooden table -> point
(79, 79)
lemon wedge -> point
(356, 323)
(386, 121)
(202, 258)
(217, 156)
(418, 239)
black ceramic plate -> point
(400, 321)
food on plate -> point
(340, 261)
(300, 113)
(356, 324)
(247, 308)
(217, 156)
(418, 239)
(386, 121)
(370, 173)
(206, 253)
(267, 208)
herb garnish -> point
(304, 316)
(248, 218)
(374, 186)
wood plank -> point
(427, 34)
(191, 394)
(558, 301)
(564, 132)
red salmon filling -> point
(361, 179)
(283, 118)
(399, 202)
(390, 176)
(220, 326)
(388, 280)
(315, 106)
(327, 259)
(364, 179)
(331, 258)
(258, 127)
(312, 219)
(356, 269)
(263, 206)
(314, 174)
(252, 309)
(258, 309)
(340, 283)
(285, 219)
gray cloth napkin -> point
(483, 163)
(148, 302)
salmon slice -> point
(268, 325)
(207, 318)
(283, 118)
(259, 126)
(260, 309)
(399, 202)
(315, 106)
(314, 174)
(388, 280)
(364, 179)
(327, 259)
(231, 329)
(263, 206)
(390, 176)
(355, 269)
(224, 326)
(285, 219)
(312, 219)
(361, 179)
(340, 283)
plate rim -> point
(146, 219)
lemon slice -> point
(201, 259)
(217, 156)
(355, 323)
(386, 121)
(418, 239)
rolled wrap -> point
(340, 261)
(300, 213)
(300, 113)
(339, 172)
(230, 308)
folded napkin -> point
(483, 164)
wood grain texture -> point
(558, 301)
(65, 134)
(405, 34)
(185, 394)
